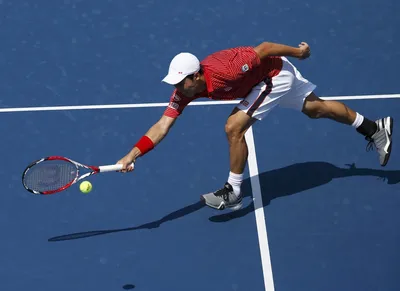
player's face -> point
(190, 87)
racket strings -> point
(50, 175)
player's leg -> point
(377, 132)
(254, 107)
(315, 107)
(230, 195)
(303, 98)
(235, 128)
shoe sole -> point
(222, 206)
(391, 142)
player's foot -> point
(382, 139)
(223, 198)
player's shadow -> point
(276, 183)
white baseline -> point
(194, 103)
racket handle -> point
(111, 168)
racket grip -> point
(111, 168)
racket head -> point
(50, 175)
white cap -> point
(181, 66)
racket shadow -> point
(150, 225)
(303, 176)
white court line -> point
(195, 103)
(110, 106)
(259, 213)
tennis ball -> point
(85, 187)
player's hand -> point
(305, 50)
(126, 163)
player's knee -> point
(237, 125)
(315, 112)
(315, 107)
(233, 131)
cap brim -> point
(173, 79)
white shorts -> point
(287, 89)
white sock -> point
(359, 120)
(236, 181)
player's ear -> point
(198, 75)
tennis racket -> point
(54, 174)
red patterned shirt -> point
(230, 74)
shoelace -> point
(371, 145)
(224, 192)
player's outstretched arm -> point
(147, 142)
(266, 49)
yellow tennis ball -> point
(85, 187)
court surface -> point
(319, 213)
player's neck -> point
(203, 83)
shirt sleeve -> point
(176, 104)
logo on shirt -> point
(227, 89)
(245, 68)
(174, 105)
(177, 98)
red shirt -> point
(230, 74)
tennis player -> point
(263, 78)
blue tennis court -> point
(319, 213)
